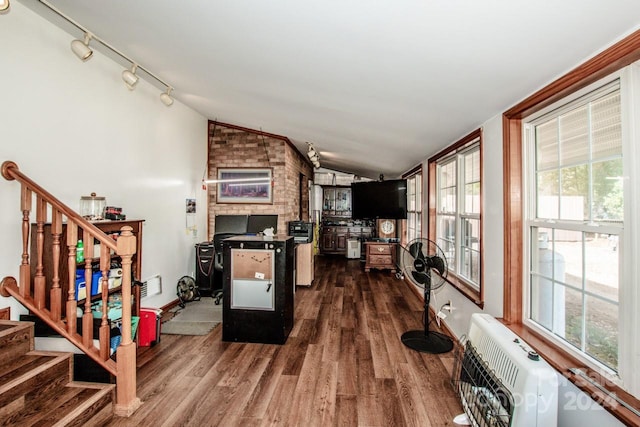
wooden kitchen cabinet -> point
(336, 201)
(334, 240)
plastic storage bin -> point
(81, 286)
(149, 328)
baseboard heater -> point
(501, 381)
(151, 286)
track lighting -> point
(311, 152)
(81, 48)
(4, 5)
(314, 156)
(130, 78)
(166, 98)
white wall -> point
(75, 128)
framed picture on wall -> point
(250, 185)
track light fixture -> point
(166, 98)
(313, 155)
(81, 48)
(4, 5)
(130, 78)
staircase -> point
(48, 293)
(36, 386)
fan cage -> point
(406, 262)
(187, 290)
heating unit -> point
(502, 381)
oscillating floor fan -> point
(424, 263)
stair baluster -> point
(25, 268)
(87, 317)
(39, 282)
(72, 305)
(56, 292)
(105, 264)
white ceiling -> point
(376, 86)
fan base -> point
(431, 342)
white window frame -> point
(627, 375)
(414, 216)
(467, 144)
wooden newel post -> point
(126, 399)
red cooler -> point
(149, 327)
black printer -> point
(301, 231)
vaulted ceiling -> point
(376, 86)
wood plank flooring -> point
(342, 365)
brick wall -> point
(232, 146)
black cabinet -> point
(258, 286)
(205, 252)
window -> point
(414, 204)
(455, 222)
(574, 222)
(528, 229)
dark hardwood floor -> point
(343, 364)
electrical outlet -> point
(448, 306)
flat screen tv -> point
(379, 199)
(231, 224)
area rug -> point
(196, 318)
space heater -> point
(502, 381)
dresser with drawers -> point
(380, 255)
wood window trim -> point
(416, 170)
(619, 55)
(475, 296)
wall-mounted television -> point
(379, 199)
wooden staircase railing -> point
(31, 292)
